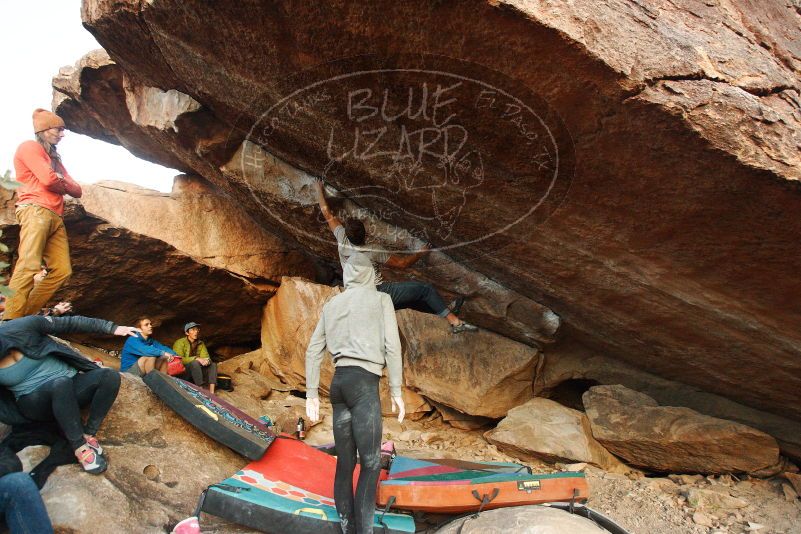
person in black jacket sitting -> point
(49, 380)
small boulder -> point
(460, 420)
(790, 494)
(634, 427)
(700, 518)
(711, 500)
(795, 480)
(546, 430)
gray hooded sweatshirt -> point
(358, 327)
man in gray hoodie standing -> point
(359, 329)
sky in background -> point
(37, 37)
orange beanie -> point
(44, 120)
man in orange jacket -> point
(40, 206)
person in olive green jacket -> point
(195, 356)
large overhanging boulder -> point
(97, 93)
(676, 127)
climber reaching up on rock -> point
(420, 296)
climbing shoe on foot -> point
(90, 460)
(92, 442)
(463, 327)
(456, 305)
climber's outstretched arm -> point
(330, 218)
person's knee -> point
(109, 376)
(59, 272)
(18, 483)
(30, 264)
(371, 460)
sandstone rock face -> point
(684, 117)
(676, 440)
(522, 520)
(279, 197)
(570, 363)
(480, 374)
(120, 275)
(546, 430)
(288, 320)
(158, 466)
(197, 219)
(253, 362)
(477, 373)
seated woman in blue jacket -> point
(45, 380)
(141, 353)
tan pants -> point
(42, 237)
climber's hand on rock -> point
(398, 406)
(313, 409)
(126, 331)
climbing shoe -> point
(190, 525)
(463, 327)
(90, 460)
(456, 305)
(92, 442)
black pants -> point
(37, 433)
(357, 427)
(416, 296)
(62, 399)
(200, 375)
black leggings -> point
(62, 399)
(357, 427)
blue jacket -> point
(136, 347)
(30, 335)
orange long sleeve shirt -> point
(40, 183)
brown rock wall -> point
(120, 275)
(678, 123)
